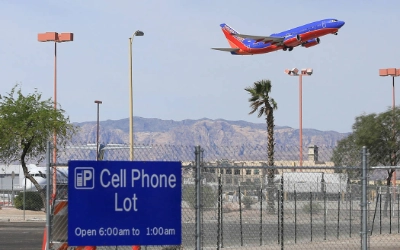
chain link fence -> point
(245, 204)
(384, 205)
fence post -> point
(376, 207)
(325, 211)
(47, 195)
(201, 162)
(295, 215)
(279, 214)
(351, 207)
(390, 209)
(24, 196)
(364, 242)
(198, 202)
(240, 216)
(311, 208)
(219, 211)
(222, 216)
(261, 209)
(338, 216)
(282, 212)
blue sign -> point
(117, 203)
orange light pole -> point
(56, 38)
(393, 72)
(300, 74)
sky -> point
(176, 74)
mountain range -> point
(205, 132)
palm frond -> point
(261, 112)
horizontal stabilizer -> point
(227, 49)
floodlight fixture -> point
(138, 33)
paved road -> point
(28, 235)
(21, 235)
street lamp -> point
(97, 140)
(393, 72)
(300, 74)
(137, 33)
(56, 38)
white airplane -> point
(102, 148)
(39, 173)
(19, 182)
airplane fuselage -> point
(306, 35)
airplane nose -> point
(341, 23)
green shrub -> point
(247, 201)
(209, 195)
(33, 201)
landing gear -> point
(287, 48)
(335, 33)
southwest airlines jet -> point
(306, 36)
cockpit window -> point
(334, 20)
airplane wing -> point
(124, 146)
(103, 148)
(265, 39)
(227, 49)
(88, 146)
(106, 147)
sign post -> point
(116, 203)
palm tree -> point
(260, 101)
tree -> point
(380, 134)
(260, 101)
(347, 154)
(209, 195)
(27, 123)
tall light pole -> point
(300, 74)
(56, 38)
(393, 72)
(97, 138)
(137, 33)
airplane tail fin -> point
(234, 41)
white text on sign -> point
(139, 179)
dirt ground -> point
(378, 242)
(384, 241)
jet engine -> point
(311, 43)
(292, 41)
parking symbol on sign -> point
(84, 178)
